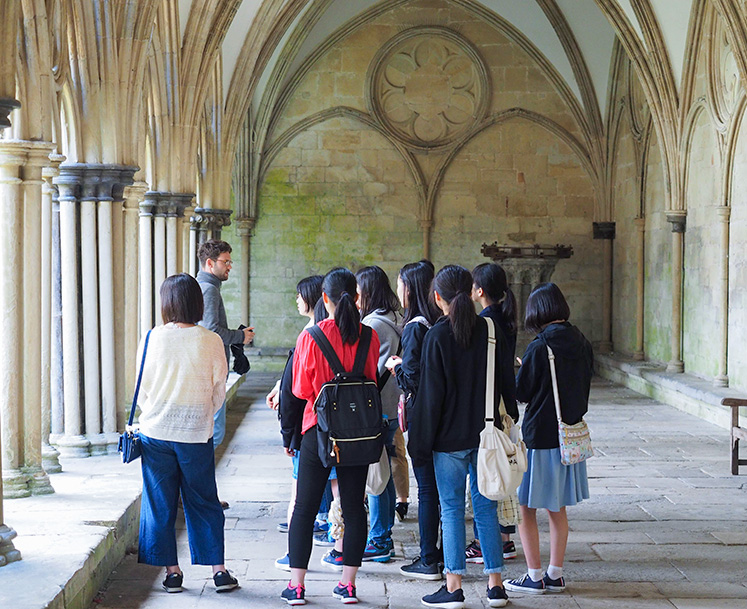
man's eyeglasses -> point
(228, 263)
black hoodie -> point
(574, 365)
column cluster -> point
(161, 243)
(85, 308)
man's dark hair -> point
(212, 249)
(181, 299)
(546, 303)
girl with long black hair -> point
(449, 414)
(310, 371)
(413, 288)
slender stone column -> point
(426, 226)
(677, 219)
(71, 443)
(146, 264)
(185, 241)
(193, 245)
(57, 424)
(722, 379)
(606, 231)
(133, 195)
(159, 260)
(90, 308)
(50, 338)
(245, 230)
(640, 224)
(108, 379)
(38, 157)
(15, 482)
(172, 243)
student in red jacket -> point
(310, 372)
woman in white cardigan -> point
(183, 385)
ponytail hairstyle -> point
(340, 287)
(454, 285)
(375, 291)
(417, 278)
(492, 279)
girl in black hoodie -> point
(547, 483)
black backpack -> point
(348, 408)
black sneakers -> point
(525, 585)
(509, 550)
(417, 568)
(400, 510)
(497, 597)
(345, 593)
(173, 582)
(554, 585)
(224, 581)
(294, 595)
(443, 599)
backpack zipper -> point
(336, 449)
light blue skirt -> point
(550, 485)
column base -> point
(8, 552)
(639, 356)
(16, 484)
(112, 442)
(98, 444)
(51, 459)
(73, 447)
(39, 482)
(605, 346)
(676, 366)
(722, 380)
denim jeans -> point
(219, 425)
(168, 469)
(381, 507)
(429, 518)
(451, 478)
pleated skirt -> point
(549, 485)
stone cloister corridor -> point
(317, 133)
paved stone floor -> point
(664, 528)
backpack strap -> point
(326, 348)
(364, 342)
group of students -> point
(435, 355)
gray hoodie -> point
(388, 327)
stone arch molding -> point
(428, 87)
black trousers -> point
(312, 478)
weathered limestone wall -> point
(626, 196)
(702, 251)
(518, 183)
(658, 261)
(738, 265)
(339, 194)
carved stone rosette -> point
(428, 87)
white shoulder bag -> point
(501, 463)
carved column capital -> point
(677, 218)
(724, 212)
(208, 219)
(134, 194)
(245, 226)
(604, 230)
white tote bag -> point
(501, 463)
(378, 474)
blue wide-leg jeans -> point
(168, 469)
(451, 478)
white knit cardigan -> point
(184, 383)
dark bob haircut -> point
(310, 289)
(181, 299)
(546, 303)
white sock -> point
(554, 572)
(535, 574)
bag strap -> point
(139, 378)
(556, 395)
(490, 375)
(361, 354)
(385, 377)
(326, 348)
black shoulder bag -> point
(129, 441)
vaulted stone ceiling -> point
(576, 37)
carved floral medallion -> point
(428, 87)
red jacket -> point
(311, 370)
